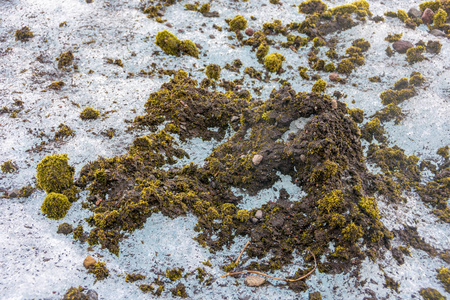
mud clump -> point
(324, 158)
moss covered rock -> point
(55, 206)
(213, 71)
(88, 113)
(273, 62)
(54, 173)
(238, 23)
(168, 42)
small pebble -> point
(254, 280)
(89, 261)
(257, 159)
(259, 214)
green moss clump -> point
(262, 51)
(147, 287)
(64, 131)
(174, 274)
(332, 53)
(243, 215)
(253, 73)
(312, 6)
(373, 129)
(416, 79)
(134, 277)
(391, 14)
(55, 206)
(23, 34)
(26, 192)
(433, 5)
(65, 60)
(414, 54)
(361, 44)
(434, 47)
(344, 9)
(443, 152)
(106, 219)
(402, 15)
(99, 270)
(213, 71)
(352, 50)
(319, 86)
(431, 294)
(188, 47)
(331, 202)
(273, 62)
(329, 67)
(357, 115)
(89, 113)
(345, 66)
(57, 85)
(319, 42)
(65, 228)
(302, 72)
(8, 167)
(352, 233)
(401, 84)
(444, 277)
(54, 173)
(238, 23)
(206, 7)
(389, 51)
(370, 207)
(75, 293)
(179, 291)
(168, 42)
(375, 79)
(393, 37)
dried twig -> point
(239, 257)
(266, 275)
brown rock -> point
(333, 76)
(402, 46)
(249, 31)
(89, 261)
(253, 280)
(427, 16)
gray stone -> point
(13, 193)
(437, 32)
(414, 13)
(255, 220)
(259, 214)
(92, 295)
(402, 46)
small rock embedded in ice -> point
(259, 214)
(89, 261)
(427, 17)
(437, 32)
(333, 76)
(92, 295)
(13, 193)
(402, 46)
(414, 13)
(257, 159)
(254, 280)
(249, 31)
